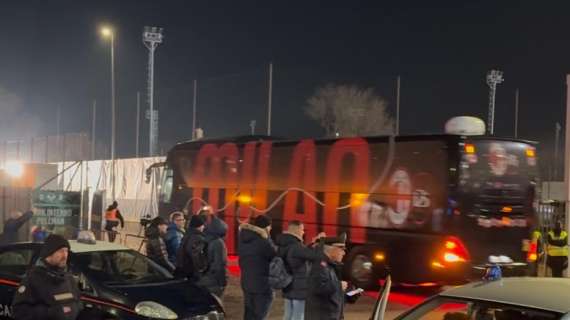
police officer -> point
(326, 295)
(113, 217)
(48, 291)
(557, 250)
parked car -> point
(115, 280)
(521, 298)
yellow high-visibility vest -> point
(558, 251)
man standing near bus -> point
(255, 252)
(326, 295)
(298, 258)
(557, 250)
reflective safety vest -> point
(111, 215)
(536, 236)
(558, 251)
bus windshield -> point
(495, 196)
(498, 177)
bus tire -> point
(361, 270)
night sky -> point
(52, 54)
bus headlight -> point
(213, 315)
(154, 310)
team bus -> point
(428, 207)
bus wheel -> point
(361, 269)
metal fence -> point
(66, 147)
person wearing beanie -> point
(197, 222)
(155, 246)
(256, 250)
(191, 259)
(48, 291)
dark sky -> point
(53, 55)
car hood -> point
(180, 296)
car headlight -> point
(154, 310)
(213, 315)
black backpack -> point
(279, 276)
(197, 263)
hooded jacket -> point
(298, 257)
(47, 293)
(156, 248)
(173, 240)
(216, 275)
(255, 251)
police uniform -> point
(325, 297)
(557, 251)
(47, 292)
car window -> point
(15, 262)
(450, 309)
(119, 267)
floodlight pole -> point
(152, 37)
(494, 77)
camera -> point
(145, 220)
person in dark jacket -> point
(155, 246)
(193, 250)
(48, 291)
(113, 217)
(326, 294)
(216, 277)
(174, 235)
(297, 258)
(256, 251)
(13, 225)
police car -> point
(116, 281)
(522, 298)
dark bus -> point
(429, 207)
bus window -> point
(165, 188)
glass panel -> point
(120, 267)
(15, 262)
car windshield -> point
(451, 309)
(119, 267)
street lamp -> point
(14, 169)
(11, 170)
(108, 32)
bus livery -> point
(428, 207)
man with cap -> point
(191, 259)
(48, 291)
(155, 246)
(255, 252)
(326, 294)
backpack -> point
(279, 276)
(196, 264)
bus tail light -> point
(532, 254)
(453, 252)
